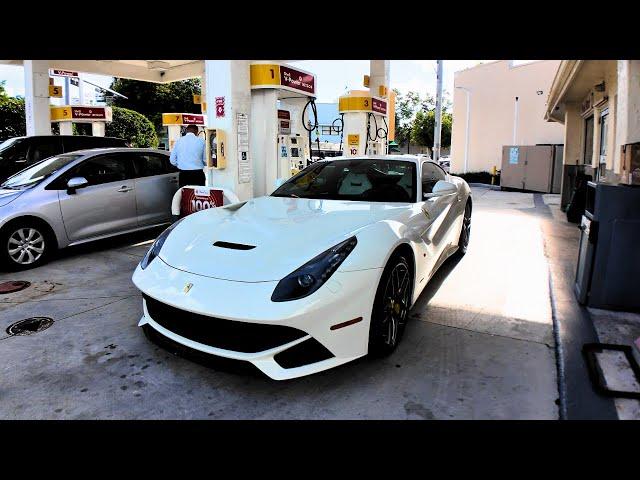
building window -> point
(588, 141)
(604, 131)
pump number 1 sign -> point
(268, 75)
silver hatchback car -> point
(82, 196)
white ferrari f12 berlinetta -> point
(321, 272)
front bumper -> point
(346, 296)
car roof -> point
(94, 151)
(22, 137)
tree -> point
(423, 128)
(3, 91)
(154, 99)
(12, 118)
(406, 107)
(133, 127)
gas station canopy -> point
(159, 71)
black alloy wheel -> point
(391, 307)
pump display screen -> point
(295, 152)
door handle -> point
(124, 189)
(173, 180)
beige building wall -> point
(494, 87)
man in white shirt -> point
(188, 155)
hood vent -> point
(233, 246)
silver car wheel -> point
(26, 246)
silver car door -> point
(107, 204)
(156, 183)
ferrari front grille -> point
(220, 333)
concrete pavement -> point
(479, 344)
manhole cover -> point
(29, 326)
(14, 286)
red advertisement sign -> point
(284, 114)
(304, 82)
(63, 73)
(92, 113)
(192, 119)
(199, 198)
(219, 107)
(378, 106)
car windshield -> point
(8, 143)
(38, 172)
(368, 180)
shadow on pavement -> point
(119, 241)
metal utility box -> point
(532, 167)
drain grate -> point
(29, 326)
(13, 286)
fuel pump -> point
(310, 126)
(376, 135)
(293, 150)
(282, 102)
(177, 122)
(364, 124)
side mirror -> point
(75, 183)
(441, 188)
(279, 182)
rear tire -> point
(391, 306)
(24, 245)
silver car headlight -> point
(313, 274)
(154, 251)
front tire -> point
(25, 245)
(391, 307)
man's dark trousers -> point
(191, 177)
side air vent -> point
(233, 246)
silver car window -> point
(38, 172)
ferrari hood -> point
(268, 237)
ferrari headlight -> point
(154, 251)
(313, 274)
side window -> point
(431, 173)
(43, 148)
(148, 165)
(104, 169)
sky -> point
(333, 76)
